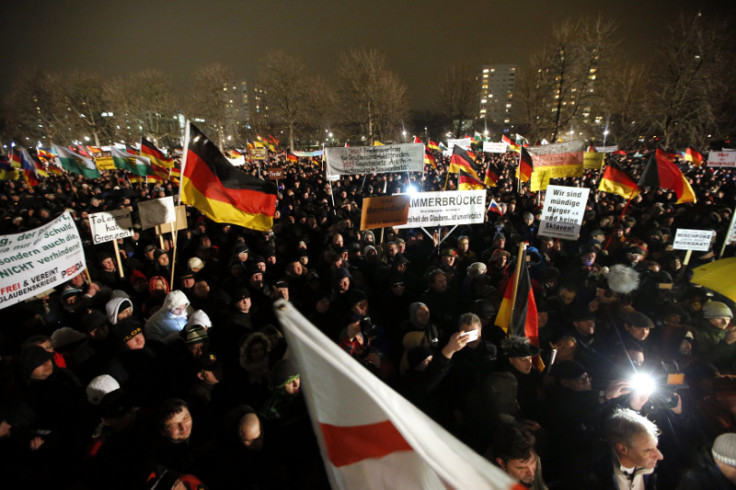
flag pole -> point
(729, 232)
(184, 158)
(618, 221)
(517, 273)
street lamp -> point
(605, 136)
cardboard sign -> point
(593, 160)
(384, 211)
(722, 159)
(179, 224)
(110, 225)
(38, 260)
(275, 173)
(258, 153)
(446, 208)
(156, 212)
(463, 143)
(698, 240)
(564, 208)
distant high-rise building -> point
(244, 104)
(497, 93)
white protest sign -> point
(463, 143)
(383, 159)
(110, 225)
(698, 240)
(446, 208)
(563, 212)
(156, 212)
(490, 147)
(606, 149)
(722, 159)
(40, 259)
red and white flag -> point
(369, 435)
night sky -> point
(419, 39)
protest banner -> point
(722, 159)
(563, 212)
(178, 224)
(463, 143)
(275, 173)
(105, 163)
(606, 149)
(491, 147)
(559, 160)
(697, 240)
(593, 160)
(384, 211)
(156, 212)
(110, 225)
(539, 181)
(446, 208)
(355, 160)
(40, 259)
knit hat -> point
(30, 358)
(127, 329)
(716, 309)
(92, 321)
(65, 336)
(724, 449)
(476, 269)
(195, 264)
(240, 293)
(199, 318)
(194, 334)
(283, 372)
(101, 386)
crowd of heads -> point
(169, 353)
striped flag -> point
(417, 140)
(371, 437)
(492, 176)
(156, 156)
(526, 166)
(290, 157)
(467, 182)
(223, 192)
(460, 159)
(429, 159)
(616, 181)
(75, 163)
(495, 208)
(29, 167)
(432, 145)
(661, 171)
(134, 164)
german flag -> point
(467, 182)
(460, 160)
(616, 181)
(417, 140)
(661, 171)
(221, 191)
(429, 159)
(15, 160)
(694, 157)
(432, 145)
(273, 140)
(524, 322)
(526, 166)
(156, 156)
(491, 178)
(291, 158)
(512, 144)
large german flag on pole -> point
(526, 166)
(616, 181)
(224, 193)
(156, 156)
(661, 171)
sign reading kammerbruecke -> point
(563, 212)
(446, 208)
(697, 240)
(156, 212)
(110, 225)
(354, 160)
(40, 259)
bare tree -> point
(210, 99)
(566, 75)
(373, 99)
(625, 94)
(459, 94)
(293, 95)
(143, 104)
(694, 81)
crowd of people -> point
(129, 379)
